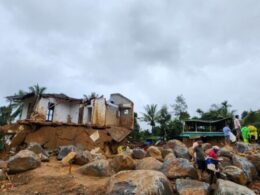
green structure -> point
(204, 128)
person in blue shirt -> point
(227, 131)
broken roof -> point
(46, 95)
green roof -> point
(191, 134)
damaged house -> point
(112, 119)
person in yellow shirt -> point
(253, 132)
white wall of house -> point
(62, 110)
(25, 108)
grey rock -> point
(23, 161)
(139, 182)
(225, 187)
(178, 168)
(83, 157)
(246, 166)
(138, 153)
(65, 150)
(98, 168)
(235, 174)
(188, 186)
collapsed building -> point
(53, 120)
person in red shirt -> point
(212, 163)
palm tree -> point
(37, 91)
(17, 104)
(93, 95)
(151, 116)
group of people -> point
(206, 162)
(248, 133)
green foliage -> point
(217, 112)
(37, 90)
(174, 128)
(5, 115)
(252, 118)
(17, 105)
(180, 108)
(164, 119)
(135, 134)
(91, 96)
(151, 115)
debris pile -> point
(158, 170)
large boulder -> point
(225, 187)
(37, 149)
(241, 147)
(98, 168)
(148, 163)
(177, 168)
(65, 150)
(138, 153)
(235, 174)
(154, 152)
(139, 182)
(226, 162)
(169, 156)
(246, 166)
(179, 149)
(191, 187)
(83, 157)
(122, 162)
(23, 161)
(226, 152)
(255, 160)
(166, 151)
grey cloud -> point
(150, 51)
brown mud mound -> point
(53, 137)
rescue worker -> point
(253, 132)
(245, 134)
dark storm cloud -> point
(150, 51)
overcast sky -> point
(150, 51)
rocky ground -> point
(159, 170)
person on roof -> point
(253, 132)
(245, 134)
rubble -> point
(23, 161)
(138, 153)
(139, 182)
(179, 149)
(236, 175)
(177, 168)
(122, 162)
(148, 163)
(191, 187)
(98, 168)
(154, 152)
(227, 187)
(246, 166)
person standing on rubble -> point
(227, 132)
(199, 157)
(237, 127)
(212, 162)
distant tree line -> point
(166, 122)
